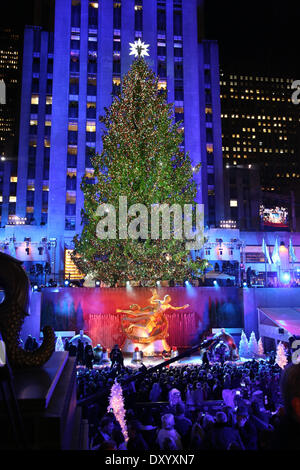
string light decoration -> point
(142, 159)
(116, 405)
(281, 358)
(260, 345)
(59, 345)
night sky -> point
(256, 35)
(253, 35)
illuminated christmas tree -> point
(260, 351)
(59, 345)
(243, 346)
(281, 358)
(141, 159)
(253, 347)
(116, 405)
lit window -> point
(73, 126)
(162, 85)
(116, 81)
(35, 99)
(233, 203)
(72, 150)
(12, 199)
(48, 99)
(91, 126)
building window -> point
(34, 99)
(138, 17)
(117, 15)
(233, 203)
(177, 23)
(75, 14)
(93, 15)
(161, 21)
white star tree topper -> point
(138, 48)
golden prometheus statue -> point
(148, 324)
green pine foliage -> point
(141, 159)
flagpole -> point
(265, 271)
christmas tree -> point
(59, 345)
(260, 348)
(141, 160)
(253, 346)
(281, 358)
(243, 346)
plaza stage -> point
(99, 311)
(94, 310)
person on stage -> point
(116, 357)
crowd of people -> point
(189, 407)
(252, 405)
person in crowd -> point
(80, 352)
(136, 441)
(104, 433)
(88, 356)
(205, 358)
(246, 429)
(168, 431)
(155, 392)
(220, 436)
(174, 399)
(72, 350)
(287, 435)
(66, 345)
(183, 425)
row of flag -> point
(275, 255)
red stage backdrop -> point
(94, 310)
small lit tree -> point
(281, 358)
(59, 345)
(253, 346)
(243, 346)
(260, 346)
(116, 405)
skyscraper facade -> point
(68, 80)
(260, 125)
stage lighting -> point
(97, 283)
(35, 287)
(158, 283)
(67, 282)
(187, 283)
(286, 277)
(244, 284)
(215, 283)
